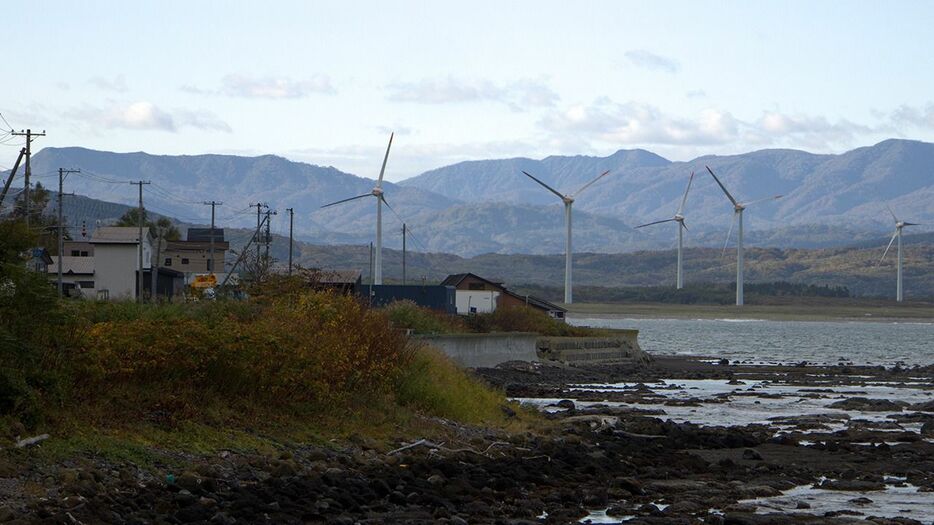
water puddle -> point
(896, 501)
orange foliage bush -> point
(300, 347)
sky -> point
(326, 82)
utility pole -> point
(9, 180)
(61, 225)
(268, 236)
(403, 254)
(139, 281)
(212, 204)
(29, 138)
(291, 222)
(258, 206)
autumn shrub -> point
(421, 320)
(524, 319)
(315, 348)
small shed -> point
(476, 294)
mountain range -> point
(488, 206)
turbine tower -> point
(679, 218)
(901, 258)
(377, 192)
(738, 208)
(568, 203)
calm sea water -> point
(761, 341)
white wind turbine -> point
(679, 218)
(901, 260)
(568, 202)
(738, 208)
(377, 192)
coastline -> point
(788, 312)
(624, 444)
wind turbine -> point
(901, 260)
(568, 202)
(738, 208)
(679, 218)
(377, 192)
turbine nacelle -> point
(377, 191)
(568, 200)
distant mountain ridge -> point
(484, 206)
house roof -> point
(455, 279)
(536, 302)
(204, 234)
(118, 235)
(73, 265)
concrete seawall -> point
(618, 348)
(485, 350)
(489, 350)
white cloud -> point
(518, 96)
(116, 84)
(275, 88)
(143, 115)
(648, 60)
(917, 117)
(637, 123)
(235, 85)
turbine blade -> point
(685, 226)
(911, 224)
(894, 235)
(685, 198)
(891, 212)
(576, 193)
(347, 200)
(383, 198)
(379, 182)
(763, 199)
(722, 187)
(729, 234)
(651, 223)
(547, 187)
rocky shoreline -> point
(606, 454)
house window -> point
(75, 253)
(84, 254)
(210, 265)
(184, 260)
(475, 286)
(168, 261)
(86, 284)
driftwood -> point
(439, 447)
(31, 441)
(635, 435)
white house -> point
(116, 260)
(77, 275)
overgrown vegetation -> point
(421, 320)
(291, 360)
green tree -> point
(164, 226)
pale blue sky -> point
(324, 82)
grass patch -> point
(434, 384)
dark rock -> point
(869, 405)
(565, 403)
(752, 455)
